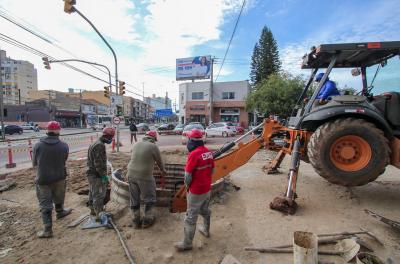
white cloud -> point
(378, 24)
(142, 40)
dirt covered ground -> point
(239, 219)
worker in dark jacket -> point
(142, 184)
(328, 89)
(198, 177)
(49, 157)
(133, 130)
(97, 172)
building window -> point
(228, 95)
(182, 98)
(197, 96)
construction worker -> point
(97, 172)
(49, 157)
(198, 172)
(142, 184)
(133, 130)
(328, 89)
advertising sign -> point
(193, 68)
(164, 112)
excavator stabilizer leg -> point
(272, 167)
(287, 204)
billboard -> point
(193, 68)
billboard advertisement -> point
(193, 68)
(164, 112)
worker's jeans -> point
(197, 204)
(145, 190)
(97, 193)
(49, 194)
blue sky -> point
(149, 35)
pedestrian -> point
(142, 185)
(133, 130)
(198, 175)
(97, 173)
(49, 157)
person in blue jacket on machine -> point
(327, 91)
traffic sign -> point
(116, 100)
(116, 120)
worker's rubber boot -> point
(136, 218)
(148, 218)
(61, 211)
(205, 228)
(186, 244)
(47, 224)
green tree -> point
(265, 59)
(276, 95)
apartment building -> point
(18, 77)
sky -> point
(148, 36)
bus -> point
(99, 121)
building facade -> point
(228, 103)
(18, 79)
(157, 102)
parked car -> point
(179, 129)
(166, 129)
(187, 129)
(223, 129)
(12, 129)
(239, 128)
(143, 127)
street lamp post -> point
(69, 8)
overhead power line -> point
(230, 41)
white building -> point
(228, 102)
(18, 79)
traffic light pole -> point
(115, 59)
(3, 129)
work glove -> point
(104, 179)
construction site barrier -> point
(10, 163)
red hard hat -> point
(53, 126)
(152, 133)
(108, 131)
(195, 134)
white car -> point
(187, 129)
(224, 129)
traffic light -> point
(69, 6)
(119, 111)
(121, 87)
(106, 91)
(46, 63)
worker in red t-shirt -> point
(198, 172)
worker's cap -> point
(152, 134)
(319, 77)
(108, 132)
(53, 127)
(195, 134)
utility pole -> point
(19, 96)
(80, 107)
(211, 92)
(3, 130)
(143, 90)
(50, 108)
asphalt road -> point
(79, 140)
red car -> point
(239, 128)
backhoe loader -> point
(349, 140)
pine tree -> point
(265, 58)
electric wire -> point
(230, 41)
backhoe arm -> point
(232, 160)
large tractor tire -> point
(349, 152)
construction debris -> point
(392, 223)
(229, 259)
(7, 184)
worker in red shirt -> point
(198, 172)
